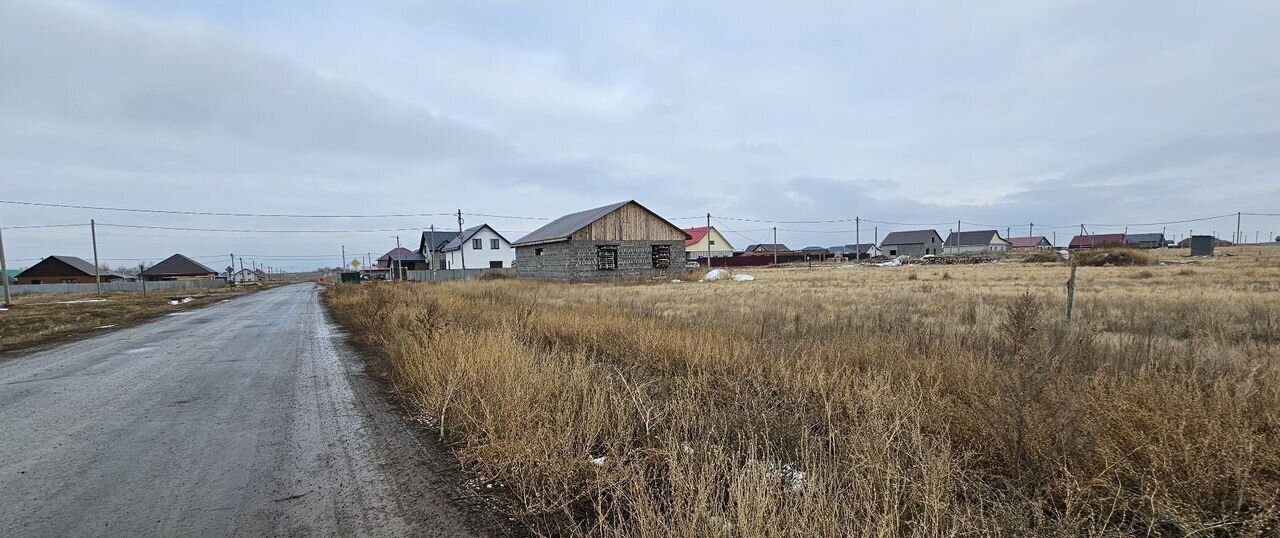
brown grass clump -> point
(1042, 256)
(1117, 256)
(786, 407)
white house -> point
(975, 241)
(706, 239)
(481, 247)
(245, 276)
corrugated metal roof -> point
(399, 253)
(1028, 242)
(695, 235)
(178, 265)
(976, 237)
(909, 237)
(767, 247)
(563, 227)
(1097, 240)
(441, 238)
(1145, 238)
(76, 263)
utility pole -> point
(708, 237)
(875, 238)
(462, 248)
(1007, 232)
(4, 269)
(857, 241)
(231, 268)
(775, 245)
(1031, 230)
(1055, 239)
(97, 273)
(242, 263)
(1238, 241)
(431, 251)
(344, 256)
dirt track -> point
(249, 417)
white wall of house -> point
(996, 245)
(484, 257)
(720, 246)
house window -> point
(477, 244)
(495, 264)
(37, 281)
(607, 257)
(893, 252)
(711, 242)
(493, 244)
(661, 256)
(537, 252)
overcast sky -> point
(906, 112)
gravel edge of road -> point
(402, 439)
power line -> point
(219, 214)
(250, 230)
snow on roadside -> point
(743, 278)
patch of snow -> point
(598, 462)
(4, 309)
(173, 301)
(743, 278)
(82, 301)
(676, 281)
(715, 274)
(792, 476)
(187, 299)
(105, 326)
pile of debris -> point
(951, 260)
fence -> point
(158, 286)
(455, 274)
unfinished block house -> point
(618, 241)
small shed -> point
(1202, 245)
(1151, 240)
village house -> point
(1151, 240)
(479, 247)
(178, 267)
(706, 239)
(617, 241)
(1085, 242)
(431, 248)
(861, 250)
(821, 253)
(403, 259)
(63, 270)
(1034, 242)
(975, 241)
(911, 243)
(765, 248)
(245, 277)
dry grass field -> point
(911, 401)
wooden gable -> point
(631, 222)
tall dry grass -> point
(852, 402)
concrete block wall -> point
(575, 261)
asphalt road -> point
(250, 417)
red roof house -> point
(1098, 240)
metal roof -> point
(1145, 238)
(441, 238)
(1028, 242)
(768, 247)
(1097, 240)
(910, 237)
(563, 227)
(457, 242)
(976, 237)
(178, 265)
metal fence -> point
(159, 286)
(455, 274)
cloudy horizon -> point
(1058, 114)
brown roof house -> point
(63, 270)
(613, 242)
(1029, 243)
(178, 267)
